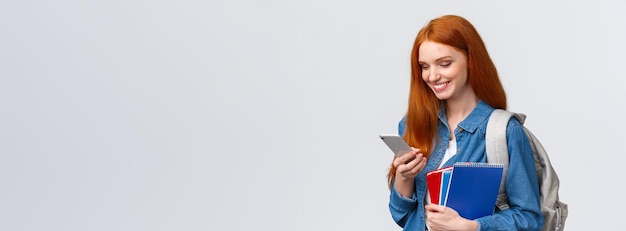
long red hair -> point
(423, 106)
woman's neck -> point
(461, 108)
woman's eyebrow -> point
(438, 59)
(444, 57)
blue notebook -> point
(473, 188)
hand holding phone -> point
(396, 144)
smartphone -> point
(396, 144)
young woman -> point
(454, 88)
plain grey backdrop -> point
(265, 115)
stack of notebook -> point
(469, 188)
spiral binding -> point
(478, 165)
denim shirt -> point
(521, 182)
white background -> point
(265, 115)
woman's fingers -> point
(410, 164)
(408, 156)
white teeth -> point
(441, 85)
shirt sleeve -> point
(401, 207)
(402, 126)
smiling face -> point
(444, 70)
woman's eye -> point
(445, 64)
(424, 67)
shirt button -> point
(460, 129)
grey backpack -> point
(554, 211)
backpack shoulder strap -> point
(497, 148)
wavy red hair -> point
(424, 106)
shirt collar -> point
(479, 114)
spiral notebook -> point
(469, 188)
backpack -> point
(554, 211)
